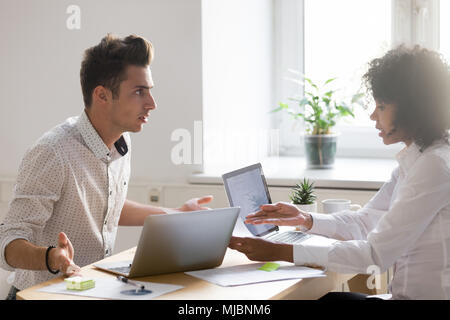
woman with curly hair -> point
(406, 225)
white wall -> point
(40, 63)
(238, 81)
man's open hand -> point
(61, 257)
(196, 204)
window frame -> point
(413, 22)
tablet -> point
(247, 188)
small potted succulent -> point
(320, 110)
(303, 196)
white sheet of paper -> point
(111, 288)
(250, 273)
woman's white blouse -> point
(405, 225)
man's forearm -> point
(22, 254)
(134, 214)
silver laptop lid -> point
(183, 241)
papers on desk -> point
(251, 273)
(110, 288)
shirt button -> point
(107, 251)
(110, 192)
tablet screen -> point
(247, 189)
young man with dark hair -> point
(72, 184)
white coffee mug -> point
(334, 205)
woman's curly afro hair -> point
(417, 81)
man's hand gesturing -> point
(61, 257)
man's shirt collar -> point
(95, 142)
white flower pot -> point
(307, 207)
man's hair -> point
(417, 81)
(105, 64)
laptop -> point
(247, 188)
(177, 242)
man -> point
(72, 184)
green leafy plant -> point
(319, 108)
(303, 193)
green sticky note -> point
(270, 266)
(79, 283)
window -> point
(338, 39)
(249, 46)
(445, 29)
(355, 32)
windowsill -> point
(348, 173)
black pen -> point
(126, 280)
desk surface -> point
(196, 289)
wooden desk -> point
(196, 289)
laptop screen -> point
(247, 188)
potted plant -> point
(320, 111)
(303, 196)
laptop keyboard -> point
(288, 237)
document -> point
(111, 288)
(252, 273)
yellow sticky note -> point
(270, 266)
